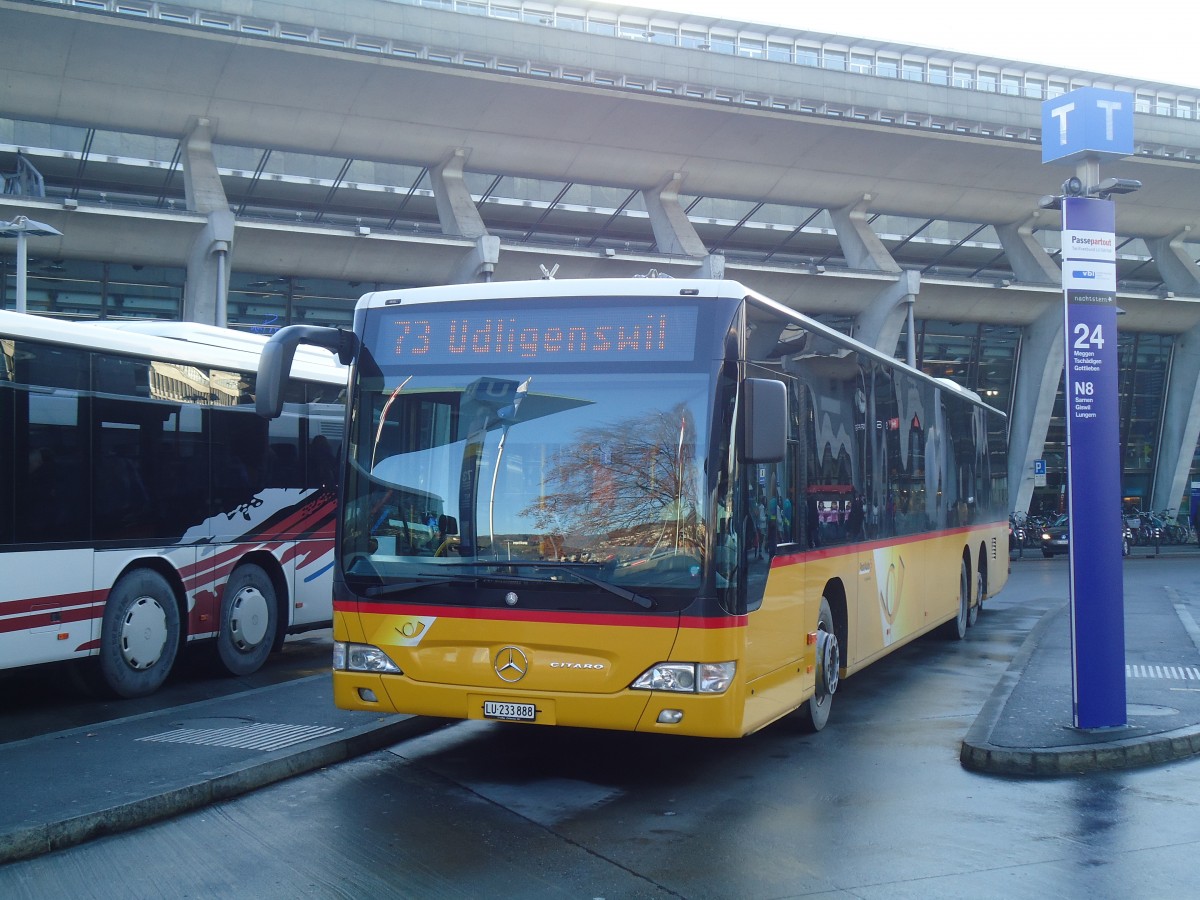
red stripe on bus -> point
(80, 610)
(553, 617)
(308, 518)
(785, 557)
(305, 552)
(35, 604)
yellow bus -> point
(644, 504)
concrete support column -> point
(860, 245)
(202, 186)
(712, 266)
(1039, 371)
(206, 288)
(1181, 406)
(1029, 261)
(457, 213)
(880, 324)
(1179, 271)
(1180, 423)
(673, 232)
(478, 263)
(459, 217)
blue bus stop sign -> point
(1093, 463)
(1088, 122)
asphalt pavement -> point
(67, 787)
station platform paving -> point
(67, 787)
(1026, 727)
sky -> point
(1151, 41)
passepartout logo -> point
(1091, 242)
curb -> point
(224, 784)
(978, 754)
(1051, 762)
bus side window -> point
(8, 449)
(326, 423)
(322, 464)
(284, 459)
(49, 489)
(121, 427)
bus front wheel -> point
(249, 618)
(815, 712)
(139, 636)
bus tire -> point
(139, 634)
(980, 591)
(814, 714)
(956, 628)
(249, 620)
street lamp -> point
(21, 228)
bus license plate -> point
(521, 712)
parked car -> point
(1056, 538)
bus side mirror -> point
(765, 420)
(275, 363)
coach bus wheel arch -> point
(249, 619)
(140, 633)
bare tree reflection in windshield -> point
(629, 490)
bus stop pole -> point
(1080, 128)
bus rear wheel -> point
(139, 635)
(249, 618)
(980, 591)
(814, 714)
(956, 628)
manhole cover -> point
(1145, 709)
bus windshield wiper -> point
(571, 569)
(433, 580)
(403, 587)
(643, 602)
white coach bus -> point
(143, 504)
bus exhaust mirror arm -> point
(276, 361)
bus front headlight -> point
(687, 678)
(362, 658)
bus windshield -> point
(553, 469)
(555, 477)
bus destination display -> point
(614, 334)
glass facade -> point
(83, 289)
(1144, 361)
(86, 289)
